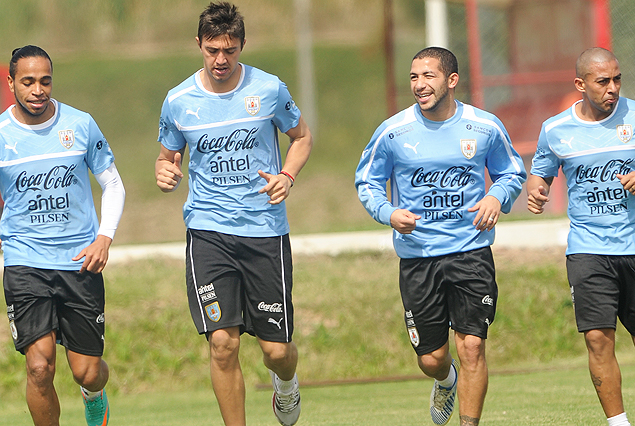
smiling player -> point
(434, 154)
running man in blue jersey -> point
(238, 256)
(593, 144)
(54, 246)
(435, 153)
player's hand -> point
(95, 255)
(536, 200)
(404, 221)
(488, 211)
(168, 173)
(628, 181)
(277, 187)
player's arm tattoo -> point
(469, 421)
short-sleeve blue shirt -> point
(591, 154)
(230, 136)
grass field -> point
(349, 327)
(563, 396)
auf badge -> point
(67, 138)
(625, 132)
(213, 311)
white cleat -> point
(442, 400)
(286, 406)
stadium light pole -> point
(389, 53)
(437, 23)
(306, 74)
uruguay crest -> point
(252, 104)
(14, 330)
(67, 138)
(414, 336)
(213, 311)
(468, 148)
(625, 132)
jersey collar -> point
(35, 127)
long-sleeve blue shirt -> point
(437, 171)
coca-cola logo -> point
(57, 177)
(453, 177)
(238, 140)
(273, 307)
(602, 173)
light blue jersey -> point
(437, 171)
(49, 215)
(591, 154)
(230, 137)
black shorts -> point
(43, 300)
(457, 290)
(240, 282)
(602, 289)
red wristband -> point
(287, 174)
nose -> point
(37, 89)
(613, 86)
(419, 83)
(221, 58)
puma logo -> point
(414, 148)
(567, 142)
(190, 112)
(273, 321)
(12, 148)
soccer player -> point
(435, 153)
(592, 142)
(238, 258)
(54, 246)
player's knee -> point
(471, 352)
(224, 348)
(278, 354)
(40, 372)
(91, 376)
(431, 364)
(600, 340)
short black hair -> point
(447, 61)
(221, 19)
(28, 51)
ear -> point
(244, 43)
(579, 85)
(10, 82)
(198, 42)
(453, 80)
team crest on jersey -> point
(252, 104)
(67, 138)
(625, 132)
(468, 147)
(414, 336)
(213, 311)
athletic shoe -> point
(97, 411)
(286, 406)
(442, 400)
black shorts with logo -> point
(457, 290)
(43, 300)
(243, 282)
(602, 289)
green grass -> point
(349, 323)
(563, 396)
